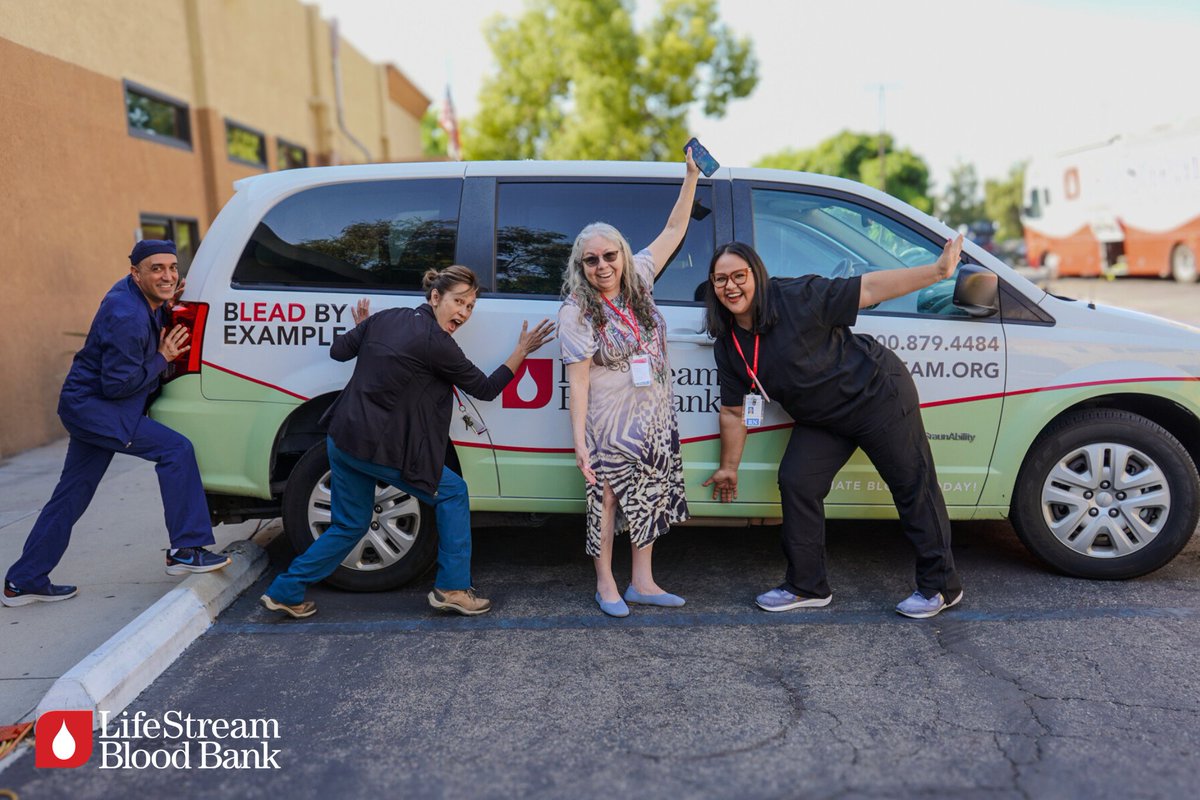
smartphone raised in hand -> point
(704, 160)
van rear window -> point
(367, 235)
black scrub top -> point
(810, 362)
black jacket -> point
(396, 409)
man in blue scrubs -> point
(103, 407)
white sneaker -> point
(782, 600)
(918, 606)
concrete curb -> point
(116, 672)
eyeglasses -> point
(739, 278)
(593, 261)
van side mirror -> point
(977, 291)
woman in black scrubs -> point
(788, 340)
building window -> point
(151, 115)
(245, 145)
(182, 231)
(289, 156)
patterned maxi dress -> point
(632, 434)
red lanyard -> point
(751, 371)
(627, 321)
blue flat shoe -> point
(616, 608)
(665, 599)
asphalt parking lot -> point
(1037, 686)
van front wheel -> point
(399, 545)
(1106, 494)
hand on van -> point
(361, 310)
(173, 343)
(529, 342)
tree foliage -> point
(433, 138)
(576, 80)
(856, 156)
(1002, 202)
(961, 204)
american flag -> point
(449, 123)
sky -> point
(983, 82)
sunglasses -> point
(593, 261)
(738, 278)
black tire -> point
(1128, 515)
(401, 544)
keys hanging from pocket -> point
(479, 429)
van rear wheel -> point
(399, 545)
(1106, 494)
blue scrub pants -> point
(353, 500)
(88, 457)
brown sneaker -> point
(298, 611)
(464, 601)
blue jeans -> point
(353, 501)
(88, 456)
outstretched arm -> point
(886, 284)
(668, 241)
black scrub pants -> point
(891, 433)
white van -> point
(1079, 423)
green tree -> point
(1002, 201)
(856, 156)
(433, 138)
(577, 81)
(961, 203)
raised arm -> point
(733, 441)
(886, 284)
(668, 241)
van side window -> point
(809, 234)
(536, 224)
(365, 235)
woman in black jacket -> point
(392, 424)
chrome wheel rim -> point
(1106, 500)
(395, 521)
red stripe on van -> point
(254, 380)
(1051, 389)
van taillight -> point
(192, 317)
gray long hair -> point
(633, 288)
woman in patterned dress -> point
(622, 407)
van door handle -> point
(689, 336)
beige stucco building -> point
(126, 119)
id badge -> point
(752, 410)
(639, 369)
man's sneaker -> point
(13, 597)
(194, 559)
(464, 601)
(301, 610)
(782, 600)
(918, 606)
